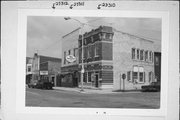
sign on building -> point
(43, 72)
(71, 58)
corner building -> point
(97, 58)
(109, 54)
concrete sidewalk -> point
(86, 90)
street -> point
(59, 98)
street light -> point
(82, 62)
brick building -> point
(46, 68)
(98, 57)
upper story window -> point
(108, 36)
(151, 56)
(141, 54)
(146, 55)
(133, 53)
(96, 50)
(138, 54)
(92, 39)
(29, 69)
(88, 54)
(100, 36)
(103, 35)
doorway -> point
(96, 80)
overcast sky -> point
(44, 32)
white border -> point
(21, 56)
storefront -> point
(70, 76)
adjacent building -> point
(46, 68)
(133, 56)
(70, 70)
(29, 62)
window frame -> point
(133, 56)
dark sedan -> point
(153, 87)
(44, 85)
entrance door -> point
(52, 78)
(96, 80)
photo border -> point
(9, 40)
(22, 32)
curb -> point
(86, 91)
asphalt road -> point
(57, 98)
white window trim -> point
(138, 75)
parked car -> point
(153, 87)
(44, 85)
(32, 84)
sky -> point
(44, 33)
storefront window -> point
(85, 77)
(135, 75)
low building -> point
(46, 68)
(133, 57)
(29, 72)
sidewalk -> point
(86, 90)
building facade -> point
(29, 72)
(133, 57)
(70, 75)
(97, 58)
(112, 59)
(46, 68)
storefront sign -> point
(71, 58)
(43, 72)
